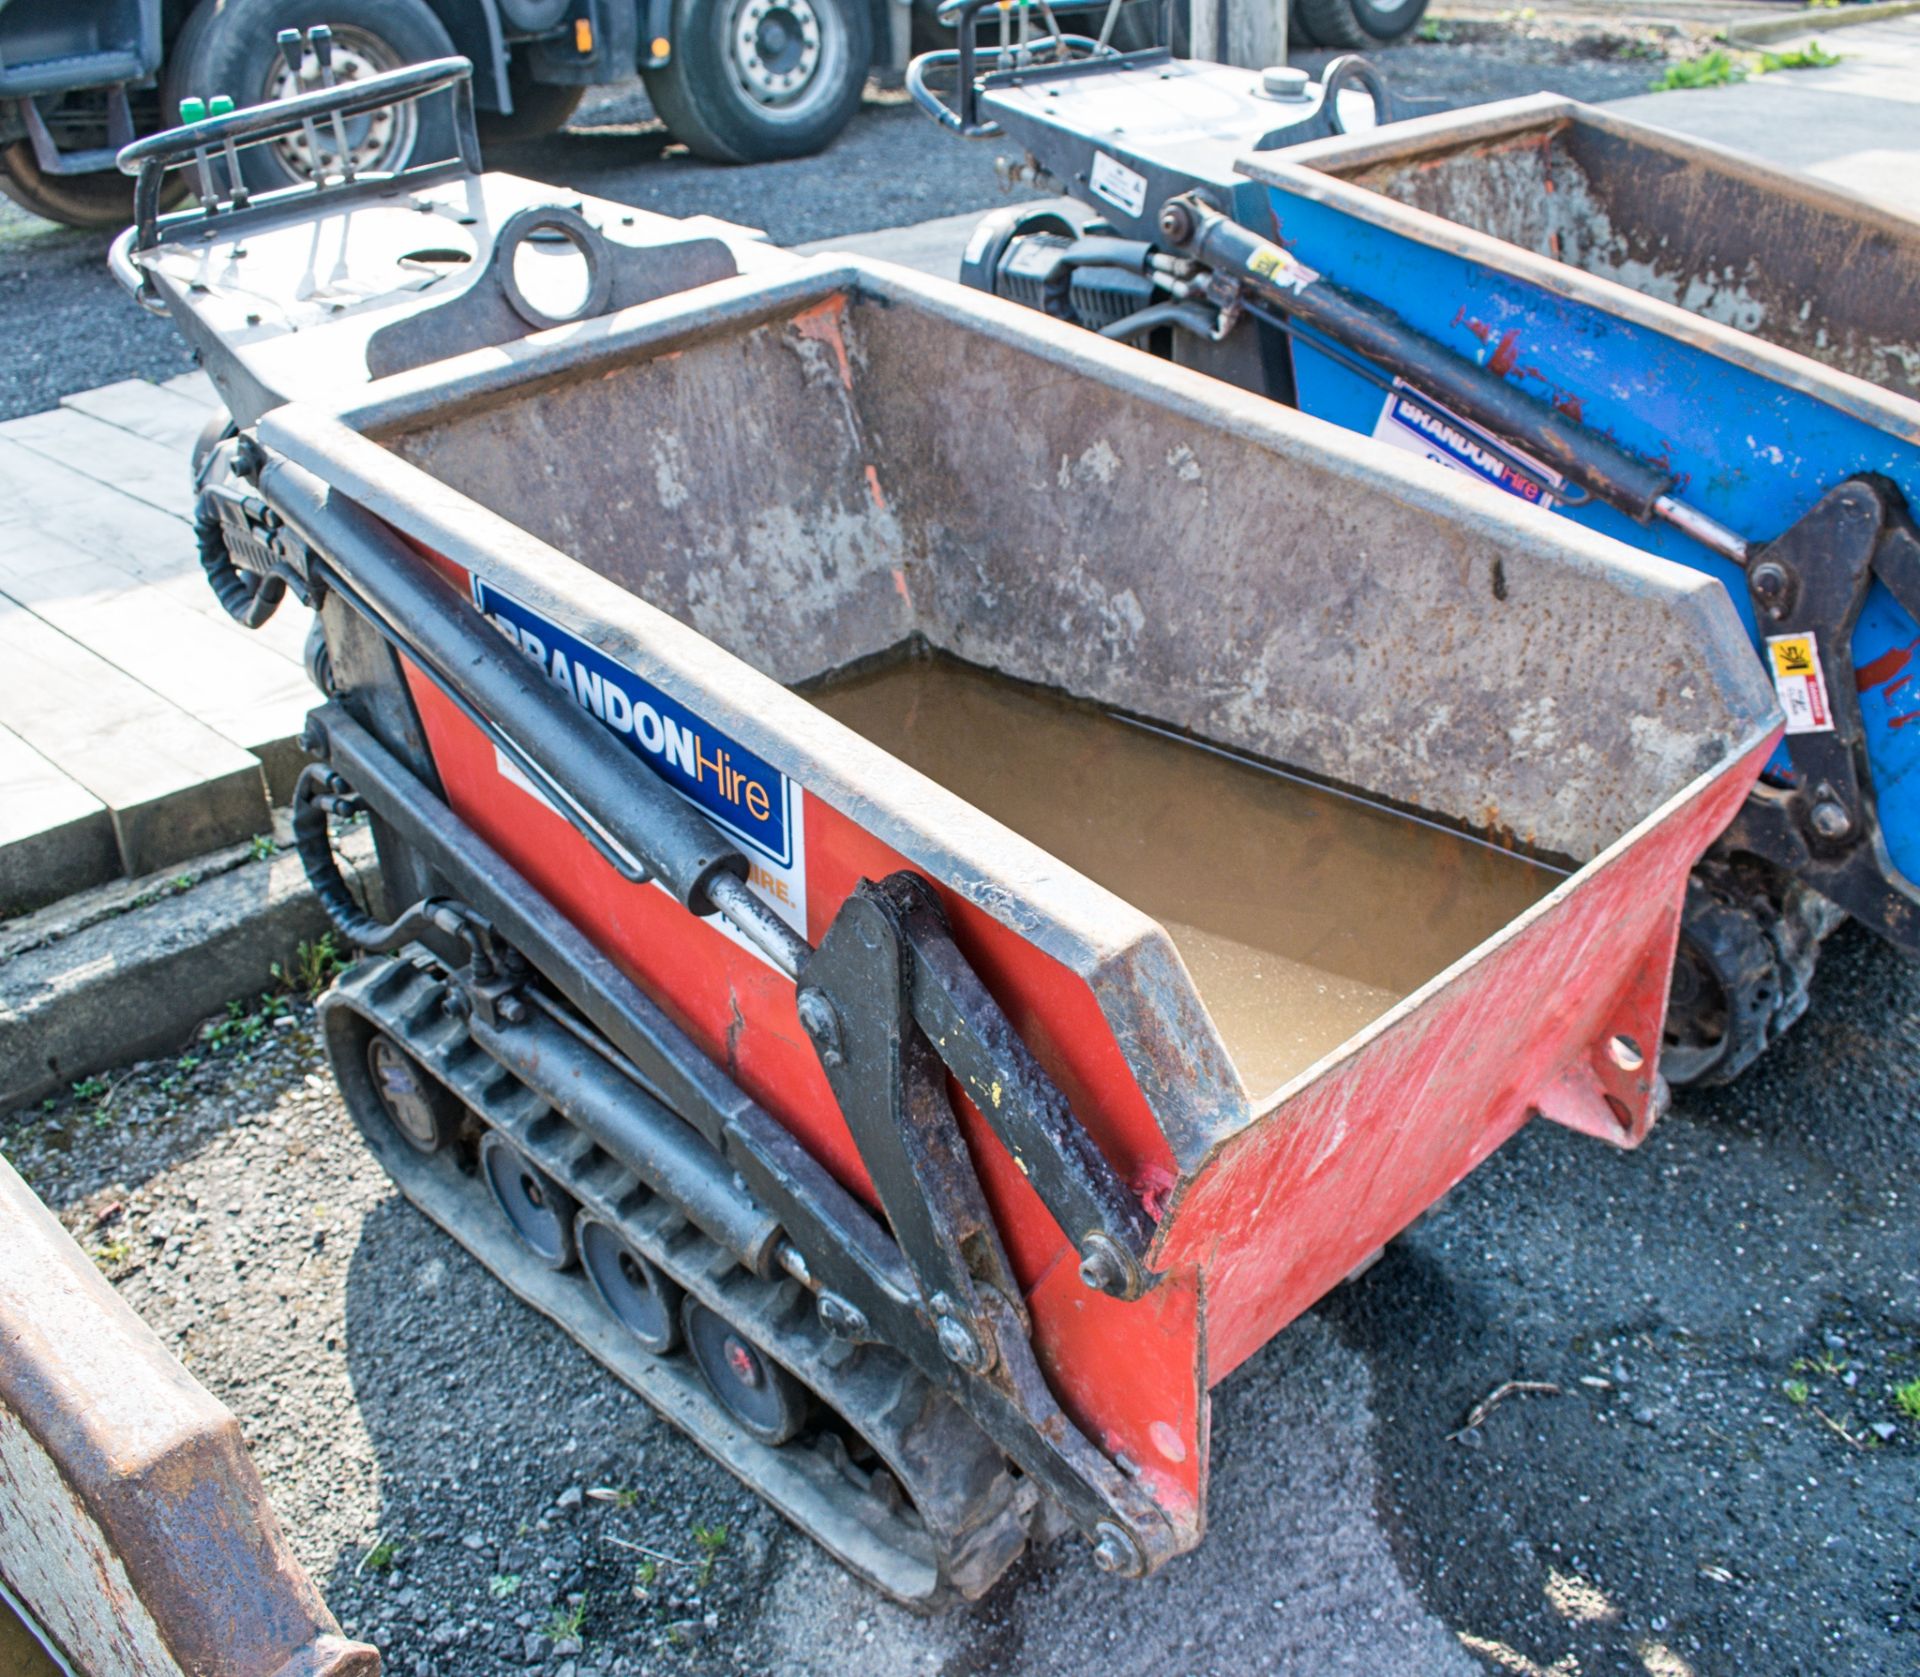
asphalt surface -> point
(1721, 1480)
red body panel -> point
(1280, 1212)
(1285, 1210)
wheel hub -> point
(376, 142)
(744, 1365)
(776, 48)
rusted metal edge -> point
(133, 1523)
(1316, 172)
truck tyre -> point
(228, 47)
(539, 108)
(103, 198)
(754, 80)
(1353, 23)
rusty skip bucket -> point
(1754, 331)
(691, 516)
(961, 877)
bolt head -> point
(957, 1343)
(842, 1317)
(1770, 586)
(1830, 819)
(821, 1022)
(1176, 222)
(1103, 1267)
(513, 1010)
(1115, 1552)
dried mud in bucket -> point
(1302, 914)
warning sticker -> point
(1800, 682)
(1119, 185)
(1280, 270)
(1417, 424)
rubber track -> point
(968, 1515)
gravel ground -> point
(1723, 1480)
(69, 327)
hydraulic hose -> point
(246, 596)
(1637, 487)
(317, 794)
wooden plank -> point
(120, 460)
(56, 837)
(196, 387)
(147, 410)
(41, 498)
(173, 786)
(214, 670)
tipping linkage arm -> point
(962, 1027)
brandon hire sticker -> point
(735, 788)
(1800, 682)
(1414, 422)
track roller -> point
(420, 1107)
(642, 1298)
(762, 1396)
(540, 1210)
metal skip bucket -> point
(786, 536)
(1754, 331)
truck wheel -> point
(539, 108)
(1353, 23)
(754, 80)
(228, 47)
(103, 198)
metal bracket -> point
(960, 1028)
(1101, 1216)
(854, 1005)
(1825, 829)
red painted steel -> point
(1280, 1213)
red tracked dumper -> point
(943, 879)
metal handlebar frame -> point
(195, 143)
(962, 15)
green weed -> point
(381, 1556)
(1906, 1399)
(503, 1584)
(1717, 68)
(1812, 56)
(1797, 1391)
(564, 1624)
(261, 847)
(314, 966)
(712, 1539)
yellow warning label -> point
(1800, 682)
(1792, 654)
(1280, 270)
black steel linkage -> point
(1824, 829)
(855, 1004)
(1098, 1212)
